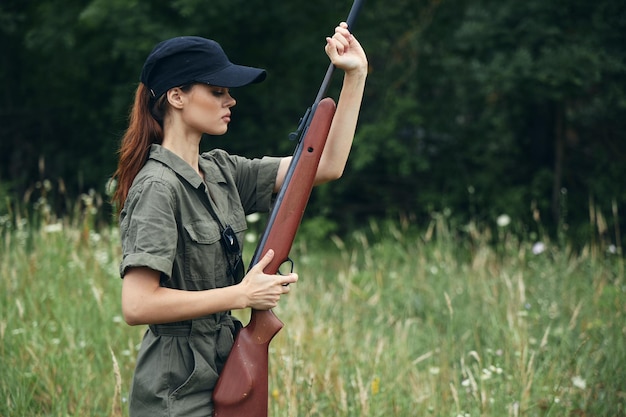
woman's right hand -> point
(263, 291)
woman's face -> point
(207, 109)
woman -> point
(182, 215)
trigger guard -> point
(290, 261)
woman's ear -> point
(175, 97)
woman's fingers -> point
(265, 289)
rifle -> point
(242, 388)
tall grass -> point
(412, 325)
(60, 324)
(386, 322)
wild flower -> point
(53, 228)
(87, 198)
(275, 394)
(94, 237)
(253, 218)
(578, 382)
(102, 257)
(538, 248)
(375, 385)
(47, 185)
(488, 373)
(496, 369)
(503, 220)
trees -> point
(478, 106)
(497, 107)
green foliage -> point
(386, 321)
(514, 101)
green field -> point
(386, 322)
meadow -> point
(388, 321)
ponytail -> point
(144, 129)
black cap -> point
(188, 59)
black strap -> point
(232, 263)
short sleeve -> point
(148, 228)
(255, 181)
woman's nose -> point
(231, 101)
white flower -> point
(94, 237)
(503, 220)
(433, 370)
(538, 248)
(578, 382)
(53, 228)
(253, 218)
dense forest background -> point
(473, 108)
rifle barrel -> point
(354, 11)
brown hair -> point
(143, 130)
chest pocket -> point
(205, 264)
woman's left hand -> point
(345, 51)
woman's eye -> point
(218, 92)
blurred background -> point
(477, 110)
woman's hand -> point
(144, 301)
(345, 51)
(263, 291)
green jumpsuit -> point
(167, 225)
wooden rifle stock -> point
(242, 388)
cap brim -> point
(234, 76)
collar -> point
(212, 174)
